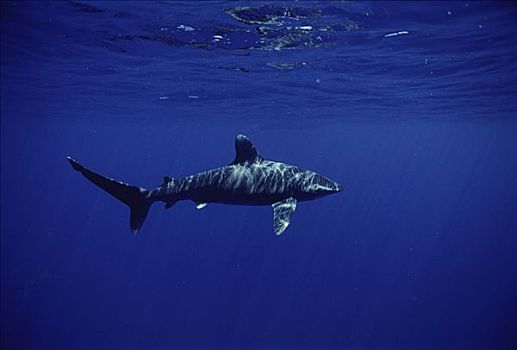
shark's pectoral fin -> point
(201, 205)
(282, 213)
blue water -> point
(410, 106)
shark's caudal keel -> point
(248, 180)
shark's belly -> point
(240, 194)
(245, 191)
(245, 199)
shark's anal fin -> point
(282, 213)
(201, 205)
(245, 151)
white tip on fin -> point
(201, 205)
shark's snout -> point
(334, 187)
(321, 185)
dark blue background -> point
(418, 251)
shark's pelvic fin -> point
(169, 204)
(245, 151)
(282, 213)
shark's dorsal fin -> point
(245, 151)
(282, 213)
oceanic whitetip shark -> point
(248, 180)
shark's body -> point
(248, 180)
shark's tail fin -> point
(137, 198)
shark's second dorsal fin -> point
(166, 180)
(245, 151)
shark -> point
(248, 180)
